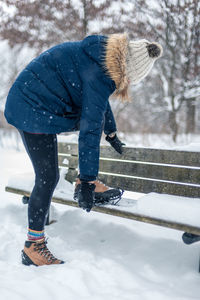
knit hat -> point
(140, 59)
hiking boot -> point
(100, 187)
(37, 254)
(102, 193)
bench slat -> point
(148, 186)
(158, 156)
(162, 172)
(162, 156)
(68, 161)
(70, 148)
(71, 175)
(121, 213)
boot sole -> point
(26, 260)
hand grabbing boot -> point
(102, 193)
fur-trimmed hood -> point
(111, 53)
(123, 60)
(129, 60)
(116, 63)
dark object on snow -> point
(25, 199)
(190, 238)
(115, 143)
(111, 196)
(153, 50)
(86, 195)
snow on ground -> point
(106, 257)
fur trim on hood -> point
(116, 64)
(129, 60)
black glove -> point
(86, 195)
(115, 143)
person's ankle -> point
(35, 236)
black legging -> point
(42, 150)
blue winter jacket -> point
(65, 89)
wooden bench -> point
(140, 170)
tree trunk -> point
(85, 21)
(173, 124)
(190, 116)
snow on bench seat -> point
(25, 181)
(161, 206)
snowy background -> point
(106, 257)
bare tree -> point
(41, 24)
(38, 23)
(176, 24)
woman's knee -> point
(49, 179)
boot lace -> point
(42, 249)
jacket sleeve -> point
(94, 104)
(109, 123)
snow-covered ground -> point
(106, 257)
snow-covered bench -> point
(168, 183)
